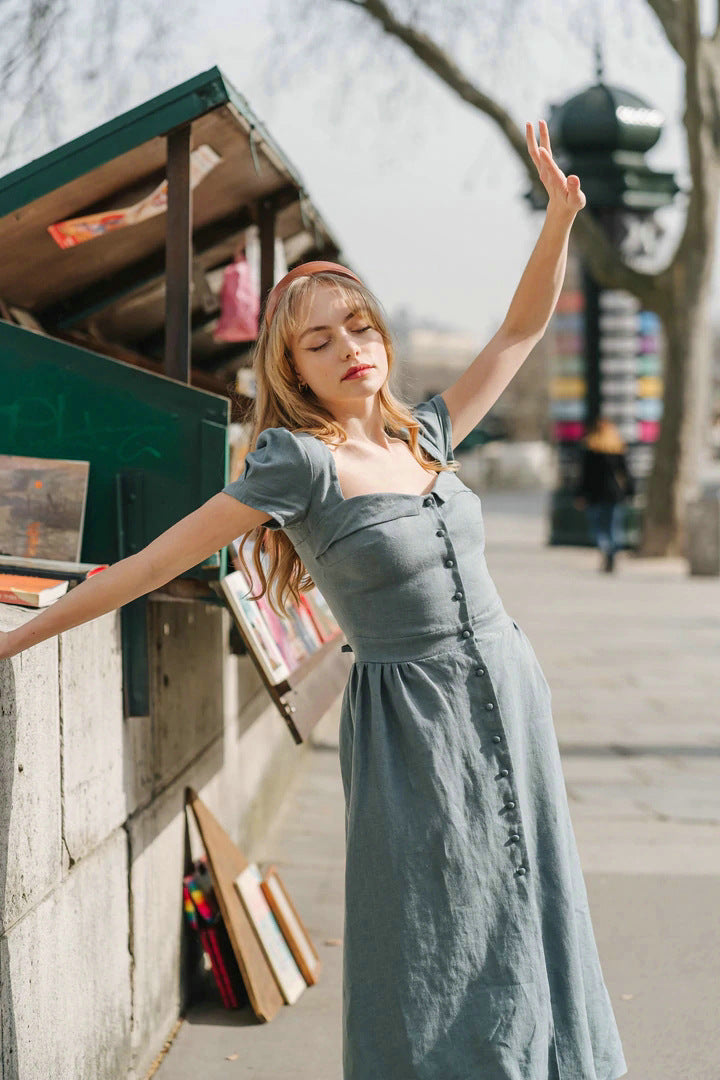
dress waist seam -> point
(428, 644)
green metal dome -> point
(602, 135)
(605, 119)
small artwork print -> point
(274, 945)
(291, 925)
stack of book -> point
(281, 644)
(38, 582)
(283, 938)
(203, 916)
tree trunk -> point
(678, 451)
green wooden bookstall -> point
(106, 348)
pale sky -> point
(421, 190)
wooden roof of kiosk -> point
(141, 293)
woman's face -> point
(337, 353)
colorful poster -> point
(79, 230)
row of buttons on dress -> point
(450, 563)
(503, 774)
(514, 837)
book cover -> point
(286, 971)
(31, 591)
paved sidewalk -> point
(632, 660)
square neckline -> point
(381, 494)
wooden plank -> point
(225, 862)
(266, 223)
(42, 507)
(178, 256)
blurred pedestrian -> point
(605, 485)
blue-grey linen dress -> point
(469, 951)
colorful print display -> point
(203, 916)
(630, 374)
(281, 644)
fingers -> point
(544, 139)
(532, 144)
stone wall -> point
(92, 830)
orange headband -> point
(318, 267)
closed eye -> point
(317, 348)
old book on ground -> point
(225, 861)
(276, 949)
(291, 925)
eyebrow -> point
(311, 329)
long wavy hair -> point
(604, 437)
(279, 402)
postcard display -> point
(630, 375)
(303, 648)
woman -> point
(605, 483)
(468, 945)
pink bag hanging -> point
(239, 304)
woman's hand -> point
(563, 191)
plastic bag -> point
(239, 304)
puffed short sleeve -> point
(434, 417)
(276, 477)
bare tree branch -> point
(601, 255)
(669, 14)
(51, 48)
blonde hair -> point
(604, 437)
(279, 402)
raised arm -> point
(194, 538)
(478, 388)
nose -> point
(349, 346)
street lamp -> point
(607, 356)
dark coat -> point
(604, 477)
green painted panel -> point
(60, 401)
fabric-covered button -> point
(521, 870)
(496, 738)
(489, 706)
(504, 772)
(458, 595)
(466, 633)
(428, 501)
(440, 532)
(449, 562)
(480, 671)
(510, 805)
(513, 838)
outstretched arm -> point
(478, 388)
(193, 539)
